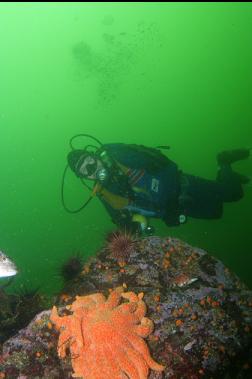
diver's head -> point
(84, 164)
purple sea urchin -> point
(120, 245)
(72, 267)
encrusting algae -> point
(105, 336)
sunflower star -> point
(105, 336)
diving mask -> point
(87, 167)
(83, 163)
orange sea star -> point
(105, 336)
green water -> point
(147, 73)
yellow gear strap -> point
(115, 201)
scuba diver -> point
(136, 183)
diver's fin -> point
(243, 178)
(231, 156)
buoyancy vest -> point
(153, 184)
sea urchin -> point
(72, 267)
(120, 245)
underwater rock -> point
(202, 314)
(17, 310)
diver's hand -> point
(135, 228)
(149, 230)
(138, 229)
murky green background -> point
(148, 73)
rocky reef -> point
(202, 313)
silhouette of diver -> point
(136, 183)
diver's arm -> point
(121, 217)
(128, 221)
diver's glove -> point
(149, 231)
(141, 226)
